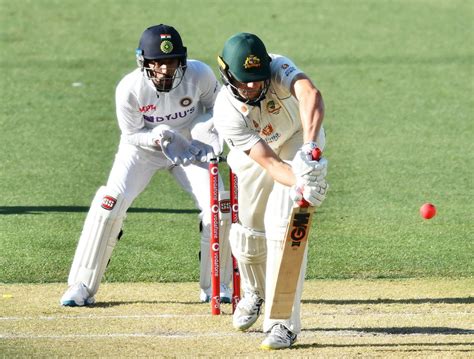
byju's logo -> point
(170, 117)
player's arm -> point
(311, 106)
(269, 160)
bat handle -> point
(315, 155)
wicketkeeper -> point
(164, 111)
(270, 114)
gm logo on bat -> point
(299, 228)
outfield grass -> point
(397, 78)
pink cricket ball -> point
(428, 211)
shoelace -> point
(252, 304)
(282, 333)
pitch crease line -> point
(106, 317)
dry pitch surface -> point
(410, 318)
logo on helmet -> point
(166, 46)
(251, 61)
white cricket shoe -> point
(279, 338)
(205, 295)
(247, 311)
(77, 295)
(225, 294)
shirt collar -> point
(243, 108)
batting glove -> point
(313, 192)
(310, 170)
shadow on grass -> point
(398, 346)
(146, 302)
(398, 330)
(5, 210)
(466, 300)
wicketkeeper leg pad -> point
(225, 259)
(250, 249)
(98, 239)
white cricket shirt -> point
(140, 107)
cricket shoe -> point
(247, 311)
(77, 295)
(280, 337)
(225, 294)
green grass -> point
(397, 78)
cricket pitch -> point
(422, 318)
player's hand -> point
(310, 170)
(206, 152)
(307, 150)
(175, 147)
(203, 130)
(313, 192)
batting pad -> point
(250, 249)
(98, 239)
(225, 259)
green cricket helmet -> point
(245, 59)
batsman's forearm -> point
(282, 173)
(312, 115)
(269, 160)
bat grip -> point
(315, 155)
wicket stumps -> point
(214, 240)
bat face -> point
(299, 228)
(282, 292)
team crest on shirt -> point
(267, 130)
(251, 61)
(185, 102)
(273, 108)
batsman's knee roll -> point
(250, 250)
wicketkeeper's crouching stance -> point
(270, 114)
(164, 112)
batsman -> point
(270, 114)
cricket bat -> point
(282, 292)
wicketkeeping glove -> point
(174, 146)
(203, 131)
(206, 152)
